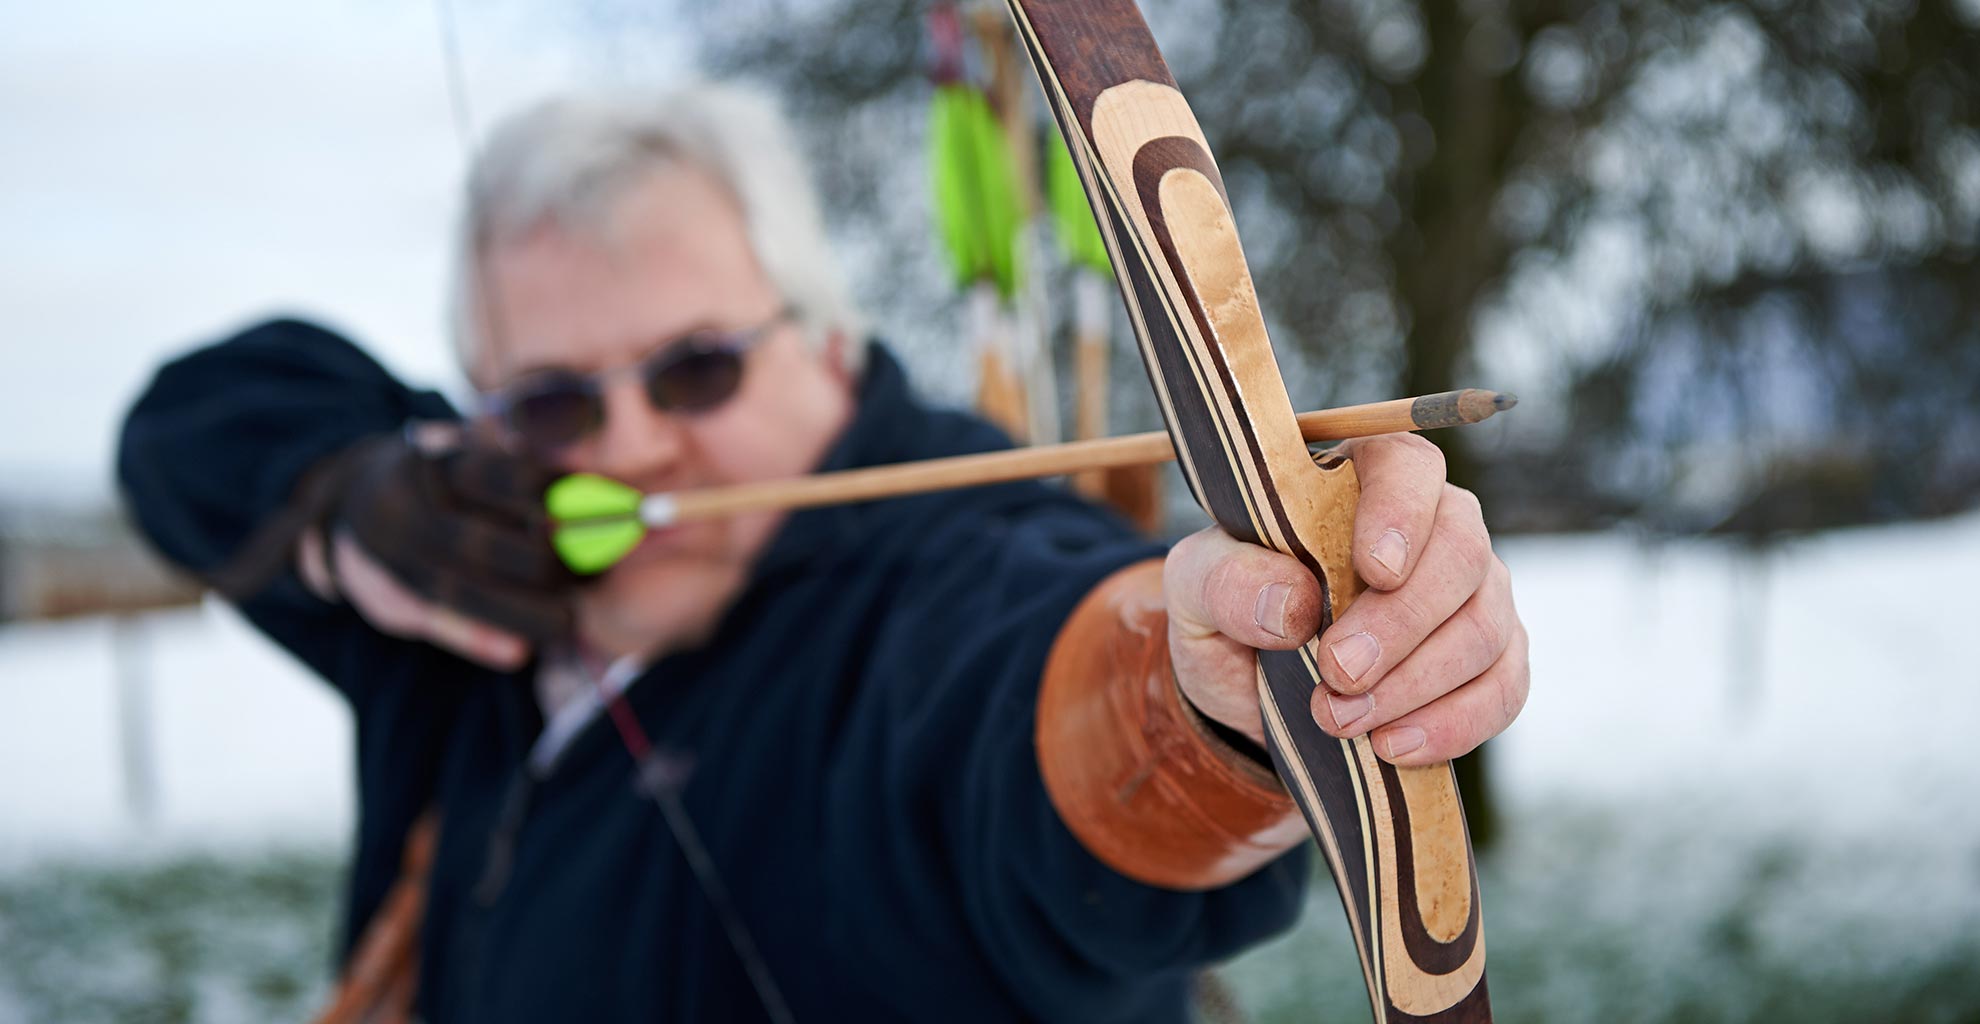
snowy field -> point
(1743, 790)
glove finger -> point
(392, 499)
(452, 525)
(532, 613)
(520, 556)
(477, 549)
(489, 482)
(409, 562)
(422, 548)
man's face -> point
(679, 262)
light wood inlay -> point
(1167, 223)
(1207, 244)
(1413, 990)
(1125, 118)
(1436, 825)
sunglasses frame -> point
(502, 403)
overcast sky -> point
(171, 171)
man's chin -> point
(658, 605)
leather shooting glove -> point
(461, 524)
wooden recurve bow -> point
(1394, 837)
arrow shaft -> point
(1449, 409)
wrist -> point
(1143, 780)
(1230, 739)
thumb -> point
(1217, 585)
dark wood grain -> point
(1394, 838)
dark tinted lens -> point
(693, 378)
(555, 414)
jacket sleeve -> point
(218, 441)
(1070, 937)
(214, 447)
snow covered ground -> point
(1829, 685)
(1732, 766)
(1824, 687)
(245, 746)
(1738, 776)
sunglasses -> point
(696, 374)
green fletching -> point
(975, 188)
(1072, 217)
(595, 547)
(599, 521)
(590, 496)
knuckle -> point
(1487, 636)
(1464, 504)
(1224, 577)
(1186, 548)
(1188, 558)
(1474, 553)
(1411, 452)
(1173, 568)
(1448, 740)
(1494, 609)
(1461, 734)
(1498, 583)
(1225, 594)
(1515, 680)
(1416, 444)
(1424, 451)
(1409, 614)
(1511, 693)
(1179, 569)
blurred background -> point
(1724, 253)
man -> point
(813, 789)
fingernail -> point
(1404, 740)
(1270, 611)
(1349, 710)
(1392, 550)
(1356, 653)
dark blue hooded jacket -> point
(857, 742)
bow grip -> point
(1394, 837)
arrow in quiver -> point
(1394, 838)
(978, 214)
(1134, 491)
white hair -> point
(570, 161)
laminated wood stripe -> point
(1394, 839)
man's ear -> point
(835, 356)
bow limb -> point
(1394, 837)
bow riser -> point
(1394, 837)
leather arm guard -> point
(1140, 777)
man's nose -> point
(638, 443)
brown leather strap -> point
(381, 979)
(1142, 780)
